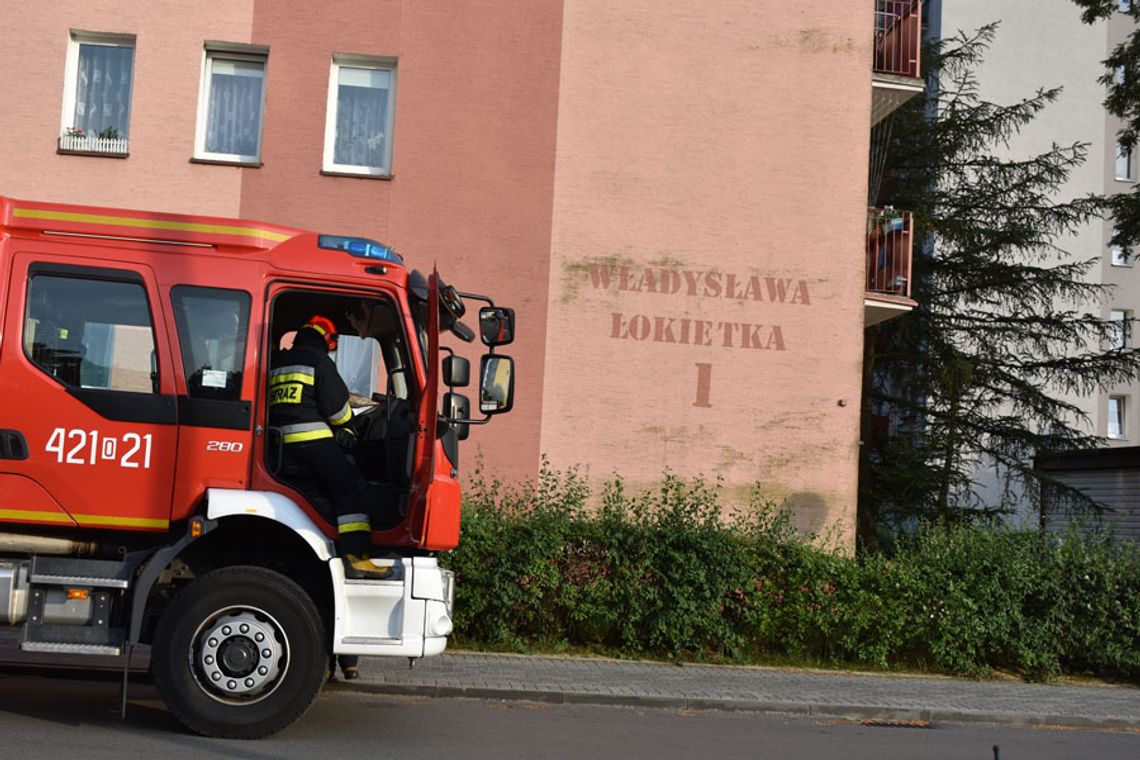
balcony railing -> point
(898, 37)
(890, 235)
(89, 145)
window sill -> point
(224, 162)
(95, 153)
(355, 175)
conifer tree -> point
(1006, 320)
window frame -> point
(1120, 341)
(352, 61)
(1125, 154)
(1121, 416)
(240, 54)
(76, 38)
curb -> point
(850, 711)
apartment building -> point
(672, 194)
(1045, 45)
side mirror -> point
(496, 384)
(496, 325)
(457, 409)
(456, 372)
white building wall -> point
(1045, 45)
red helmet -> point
(325, 327)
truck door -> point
(86, 380)
(215, 435)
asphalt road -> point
(60, 716)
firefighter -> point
(308, 401)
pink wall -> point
(539, 146)
(167, 73)
(709, 141)
(473, 159)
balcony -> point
(896, 76)
(890, 238)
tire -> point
(240, 653)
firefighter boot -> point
(359, 567)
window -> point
(97, 93)
(359, 117)
(1121, 256)
(1121, 324)
(1116, 417)
(91, 333)
(231, 103)
(1123, 162)
(212, 325)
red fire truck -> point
(143, 496)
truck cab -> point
(144, 498)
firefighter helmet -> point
(325, 327)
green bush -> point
(662, 574)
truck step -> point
(72, 639)
(65, 571)
(56, 647)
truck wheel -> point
(240, 653)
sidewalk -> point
(776, 690)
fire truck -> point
(144, 498)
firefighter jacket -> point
(306, 394)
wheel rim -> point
(239, 655)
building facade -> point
(671, 194)
(1044, 46)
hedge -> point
(661, 574)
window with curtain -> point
(230, 108)
(358, 127)
(98, 79)
(103, 90)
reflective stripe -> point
(294, 369)
(355, 517)
(129, 522)
(356, 527)
(318, 328)
(313, 435)
(291, 377)
(31, 514)
(343, 415)
(302, 427)
(305, 431)
(154, 224)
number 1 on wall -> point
(704, 380)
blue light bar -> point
(360, 247)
